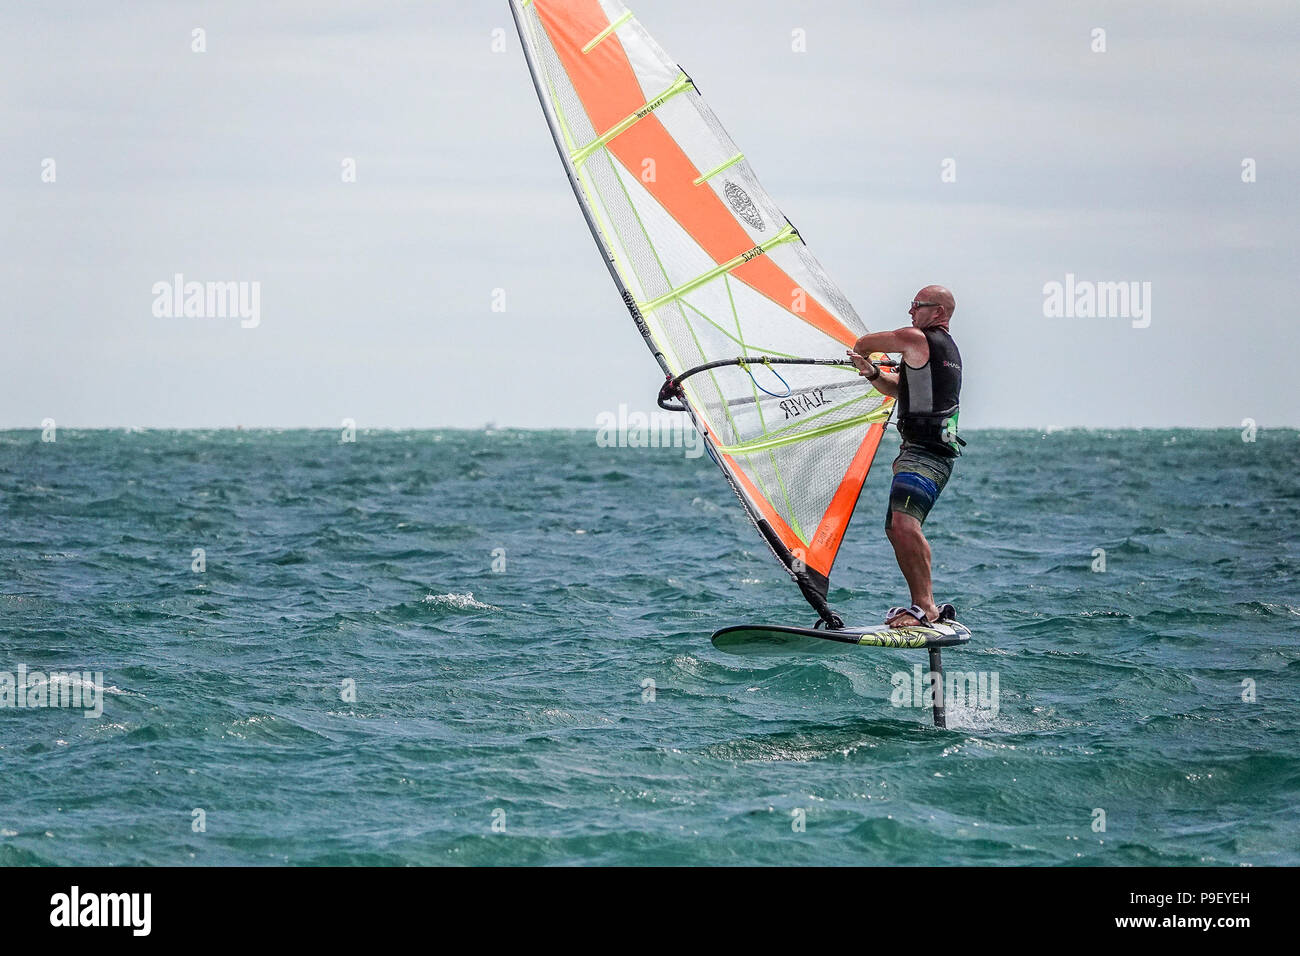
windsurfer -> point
(927, 387)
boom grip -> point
(671, 389)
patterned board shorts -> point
(919, 476)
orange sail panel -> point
(608, 88)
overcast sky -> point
(376, 296)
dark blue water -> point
(568, 707)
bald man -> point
(928, 388)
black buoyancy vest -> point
(929, 397)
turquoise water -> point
(508, 716)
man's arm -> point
(908, 340)
(886, 383)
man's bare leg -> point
(913, 554)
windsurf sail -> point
(746, 325)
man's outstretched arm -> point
(907, 340)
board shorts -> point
(919, 476)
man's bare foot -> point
(912, 616)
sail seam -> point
(680, 85)
(763, 444)
(804, 420)
(787, 234)
(705, 177)
(605, 33)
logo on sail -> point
(743, 205)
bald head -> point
(938, 312)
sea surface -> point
(492, 647)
